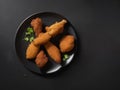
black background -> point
(97, 62)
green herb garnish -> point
(29, 29)
(26, 39)
(29, 35)
(65, 57)
(31, 39)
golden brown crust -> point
(56, 28)
(41, 59)
(53, 52)
(42, 39)
(51, 31)
(67, 43)
(32, 51)
(37, 25)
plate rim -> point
(37, 13)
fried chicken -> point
(42, 39)
(67, 43)
(32, 51)
(56, 28)
(53, 52)
(37, 25)
(51, 31)
(41, 59)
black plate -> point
(48, 18)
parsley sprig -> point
(29, 35)
(65, 57)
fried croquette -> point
(53, 52)
(37, 25)
(41, 59)
(56, 28)
(32, 51)
(42, 39)
(66, 43)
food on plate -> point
(32, 51)
(67, 43)
(41, 59)
(42, 39)
(51, 31)
(53, 52)
(37, 25)
(56, 28)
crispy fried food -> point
(51, 31)
(41, 59)
(67, 43)
(37, 25)
(42, 39)
(56, 28)
(32, 51)
(50, 47)
(53, 52)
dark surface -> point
(97, 63)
